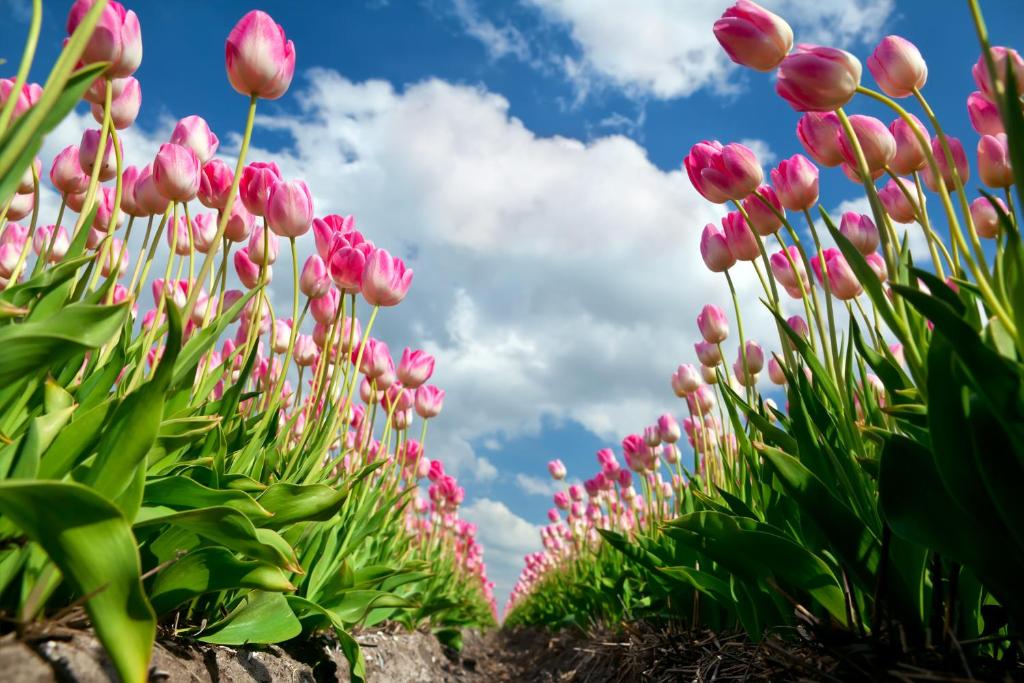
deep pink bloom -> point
(816, 78)
(25, 100)
(215, 184)
(986, 218)
(325, 308)
(819, 134)
(741, 240)
(876, 142)
(254, 187)
(796, 183)
(194, 132)
(386, 280)
(240, 223)
(129, 179)
(248, 272)
(909, 156)
(429, 400)
(1001, 56)
(347, 266)
(841, 280)
(895, 201)
(260, 59)
(714, 249)
(860, 230)
(176, 171)
(88, 149)
(124, 108)
(117, 37)
(959, 161)
(790, 279)
(415, 367)
(753, 36)
(290, 208)
(556, 468)
(66, 172)
(764, 221)
(984, 114)
(994, 161)
(713, 324)
(315, 280)
(723, 173)
(325, 229)
(898, 67)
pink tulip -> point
(668, 429)
(994, 161)
(44, 235)
(556, 469)
(129, 180)
(147, 197)
(785, 274)
(984, 114)
(240, 223)
(860, 230)
(415, 368)
(325, 229)
(898, 67)
(325, 308)
(764, 221)
(347, 266)
(88, 148)
(429, 400)
(722, 173)
(714, 249)
(819, 134)
(178, 236)
(25, 100)
(754, 357)
(775, 372)
(124, 108)
(815, 78)
(798, 324)
(685, 380)
(753, 36)
(260, 60)
(796, 182)
(304, 353)
(281, 335)
(14, 234)
(876, 142)
(9, 255)
(66, 172)
(877, 264)
(263, 246)
(104, 210)
(895, 201)
(909, 156)
(713, 324)
(315, 280)
(204, 229)
(117, 37)
(194, 132)
(959, 160)
(1001, 56)
(254, 188)
(215, 184)
(386, 280)
(986, 218)
(248, 272)
(20, 206)
(708, 354)
(841, 280)
(176, 171)
(290, 208)
(741, 240)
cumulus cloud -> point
(506, 538)
(541, 486)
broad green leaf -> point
(292, 503)
(349, 646)
(262, 618)
(180, 492)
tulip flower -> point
(876, 142)
(764, 221)
(281, 335)
(959, 160)
(124, 108)
(775, 372)
(877, 264)
(819, 134)
(986, 218)
(204, 229)
(556, 468)
(254, 187)
(994, 161)
(742, 242)
(193, 132)
(177, 236)
(753, 36)
(260, 59)
(263, 246)
(1001, 56)
(386, 280)
(315, 280)
(841, 279)
(147, 197)
(791, 280)
(815, 78)
(685, 380)
(247, 271)
(176, 171)
(713, 324)
(668, 429)
(798, 324)
(325, 307)
(428, 402)
(117, 37)
(722, 173)
(796, 182)
(290, 208)
(326, 228)
(415, 367)
(215, 184)
(860, 230)
(896, 204)
(66, 172)
(87, 151)
(20, 206)
(304, 353)
(708, 354)
(984, 114)
(240, 223)
(898, 67)
(46, 234)
(714, 249)
(909, 155)
(25, 100)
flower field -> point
(869, 490)
(207, 466)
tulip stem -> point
(225, 216)
(27, 56)
(155, 323)
(44, 255)
(829, 311)
(294, 326)
(97, 164)
(739, 331)
(23, 254)
(921, 215)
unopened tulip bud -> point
(23, 101)
(994, 161)
(254, 187)
(290, 208)
(722, 173)
(708, 354)
(685, 380)
(386, 279)
(315, 281)
(117, 37)
(89, 148)
(215, 184)
(816, 78)
(260, 59)
(43, 238)
(714, 249)
(124, 108)
(556, 468)
(909, 156)
(147, 197)
(738, 235)
(876, 142)
(841, 279)
(240, 223)
(204, 229)
(1003, 58)
(713, 324)
(796, 183)
(986, 218)
(668, 429)
(753, 36)
(20, 206)
(66, 172)
(248, 272)
(194, 132)
(819, 134)
(775, 373)
(984, 114)
(415, 367)
(792, 280)
(895, 201)
(178, 236)
(860, 230)
(429, 400)
(176, 171)
(960, 166)
(263, 246)
(898, 67)
(281, 335)
(764, 220)
(877, 264)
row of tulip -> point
(160, 466)
(882, 496)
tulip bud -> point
(753, 36)
(775, 373)
(708, 354)
(46, 234)
(325, 308)
(240, 223)
(984, 114)
(66, 172)
(909, 156)
(685, 380)
(117, 37)
(896, 204)
(994, 161)
(898, 67)
(204, 229)
(876, 142)
(215, 184)
(147, 196)
(25, 100)
(263, 246)
(860, 230)
(194, 132)
(315, 281)
(714, 249)
(178, 237)
(799, 326)
(429, 400)
(260, 60)
(254, 188)
(289, 208)
(20, 206)
(124, 108)
(386, 280)
(668, 429)
(841, 279)
(722, 173)
(815, 78)
(785, 274)
(959, 161)
(176, 171)
(415, 368)
(89, 148)
(713, 324)
(1002, 57)
(877, 264)
(305, 353)
(764, 221)
(986, 218)
(248, 272)
(796, 182)
(281, 335)
(741, 240)
(556, 469)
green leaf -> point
(212, 569)
(292, 503)
(201, 342)
(262, 618)
(86, 536)
(352, 606)
(349, 646)
(180, 492)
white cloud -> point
(500, 41)
(541, 486)
(506, 538)
(666, 49)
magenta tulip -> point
(117, 37)
(714, 249)
(556, 468)
(984, 114)
(263, 246)
(176, 171)
(315, 280)
(248, 272)
(816, 78)
(741, 240)
(763, 219)
(841, 279)
(386, 280)
(254, 187)
(896, 204)
(290, 208)
(819, 134)
(796, 183)
(215, 184)
(124, 108)
(25, 100)
(147, 196)
(415, 367)
(240, 223)
(260, 59)
(753, 36)
(722, 173)
(88, 148)
(994, 161)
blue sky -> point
(524, 157)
